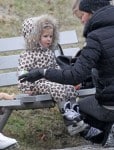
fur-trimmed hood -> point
(32, 28)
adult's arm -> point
(82, 67)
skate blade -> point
(75, 130)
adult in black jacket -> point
(98, 110)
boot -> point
(110, 138)
(72, 118)
(93, 134)
(7, 143)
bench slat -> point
(66, 38)
(14, 43)
(17, 43)
(8, 79)
(86, 92)
(71, 51)
(39, 101)
(7, 62)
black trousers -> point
(94, 114)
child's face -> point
(46, 37)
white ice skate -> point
(72, 119)
(7, 143)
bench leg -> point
(4, 118)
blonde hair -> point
(33, 27)
(75, 6)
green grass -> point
(40, 129)
(37, 129)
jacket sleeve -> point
(25, 64)
(82, 67)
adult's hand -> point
(32, 76)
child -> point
(41, 37)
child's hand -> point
(77, 87)
(7, 96)
(29, 92)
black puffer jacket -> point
(99, 53)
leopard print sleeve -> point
(26, 61)
(38, 58)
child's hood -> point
(32, 28)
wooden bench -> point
(10, 49)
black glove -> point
(32, 76)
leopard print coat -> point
(43, 58)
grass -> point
(37, 129)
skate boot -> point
(72, 118)
(93, 134)
(7, 143)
